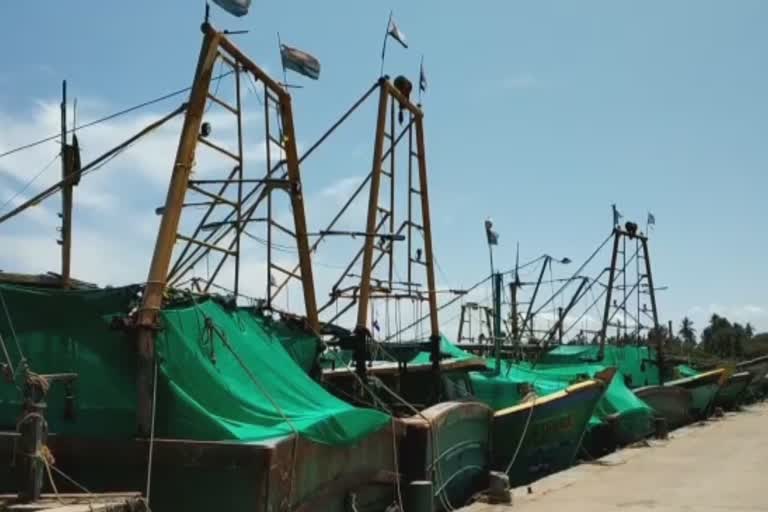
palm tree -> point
(687, 332)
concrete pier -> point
(716, 466)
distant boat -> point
(758, 367)
(703, 388)
(732, 393)
(670, 402)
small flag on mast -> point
(616, 215)
(493, 237)
(651, 219)
(300, 62)
(422, 78)
(234, 7)
(396, 33)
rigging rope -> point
(574, 276)
(106, 118)
(152, 432)
(30, 182)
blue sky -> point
(538, 114)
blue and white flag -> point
(234, 7)
(300, 62)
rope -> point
(152, 432)
(435, 442)
(30, 182)
(574, 276)
(263, 390)
(70, 479)
(525, 432)
(106, 118)
(13, 331)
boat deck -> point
(111, 502)
(708, 467)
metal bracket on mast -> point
(230, 206)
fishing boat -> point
(543, 435)
(673, 403)
(703, 387)
(733, 392)
(458, 450)
(758, 367)
(171, 387)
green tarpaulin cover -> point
(567, 367)
(203, 391)
(636, 363)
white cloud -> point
(114, 221)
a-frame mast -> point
(224, 240)
(631, 232)
(388, 95)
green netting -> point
(63, 331)
(203, 392)
(636, 363)
(506, 389)
(635, 416)
(216, 399)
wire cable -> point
(30, 182)
(108, 117)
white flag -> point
(234, 7)
(396, 34)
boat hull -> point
(758, 367)
(733, 392)
(671, 403)
(200, 476)
(540, 437)
(703, 388)
(448, 444)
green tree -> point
(687, 333)
(724, 339)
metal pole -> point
(560, 325)
(515, 319)
(166, 236)
(609, 293)
(66, 194)
(373, 202)
(240, 176)
(497, 319)
(528, 317)
(430, 257)
(652, 293)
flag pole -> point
(421, 75)
(280, 49)
(384, 46)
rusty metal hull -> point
(450, 445)
(290, 474)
